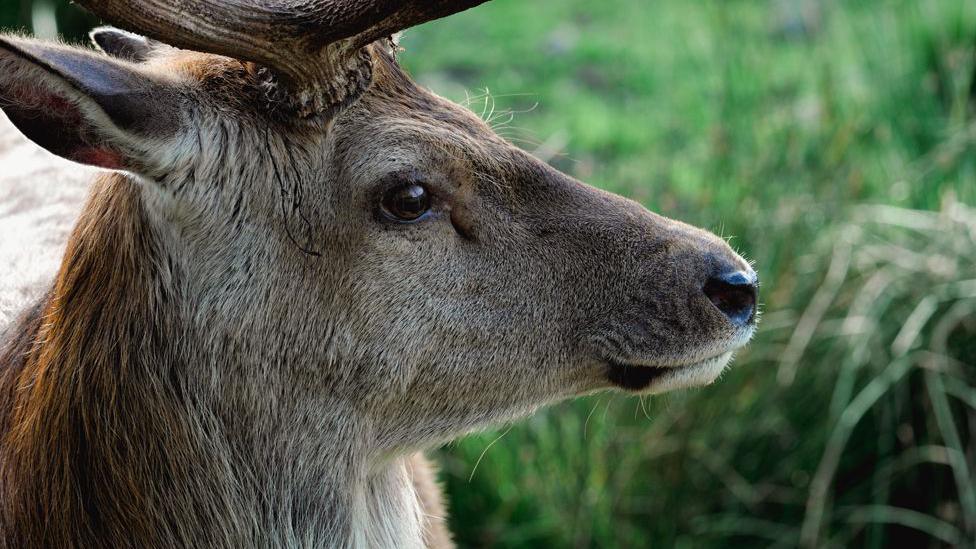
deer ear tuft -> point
(124, 45)
(84, 106)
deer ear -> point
(124, 45)
(84, 106)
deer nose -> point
(734, 293)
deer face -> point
(487, 282)
(381, 244)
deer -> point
(297, 270)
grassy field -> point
(834, 142)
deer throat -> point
(387, 511)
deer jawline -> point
(658, 379)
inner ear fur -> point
(124, 45)
(84, 106)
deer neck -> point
(125, 423)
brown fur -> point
(68, 462)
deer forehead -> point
(397, 128)
(394, 119)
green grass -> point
(835, 143)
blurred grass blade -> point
(936, 528)
(817, 500)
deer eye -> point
(406, 203)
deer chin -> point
(650, 380)
(655, 376)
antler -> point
(314, 47)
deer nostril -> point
(735, 295)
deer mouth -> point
(658, 379)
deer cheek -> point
(463, 222)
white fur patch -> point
(41, 196)
(388, 512)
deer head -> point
(327, 258)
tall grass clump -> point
(896, 317)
